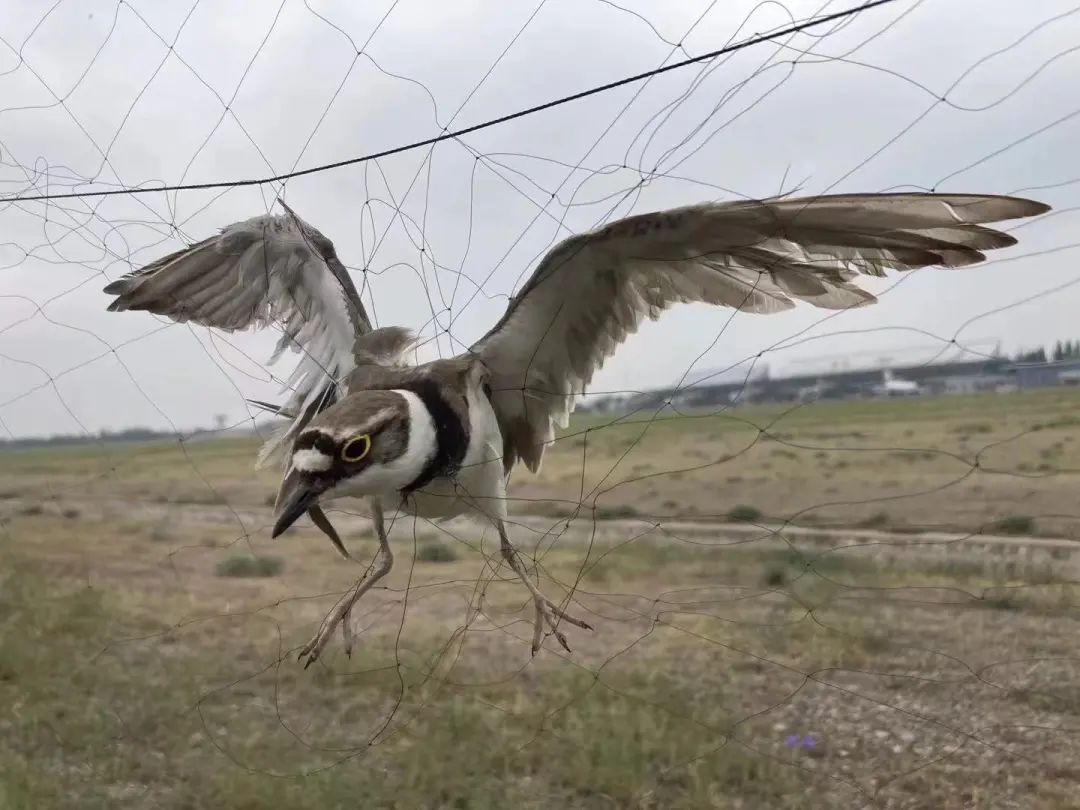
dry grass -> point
(962, 463)
(138, 677)
(956, 463)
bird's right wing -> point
(270, 269)
(594, 289)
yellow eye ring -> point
(356, 448)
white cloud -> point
(820, 122)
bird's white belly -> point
(473, 492)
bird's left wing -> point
(270, 269)
(593, 289)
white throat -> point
(422, 445)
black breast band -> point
(451, 436)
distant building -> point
(960, 384)
(1046, 375)
(746, 385)
(893, 386)
(938, 378)
(603, 404)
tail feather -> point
(279, 410)
(273, 449)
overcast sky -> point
(142, 93)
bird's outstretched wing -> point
(270, 269)
(592, 290)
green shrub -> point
(775, 576)
(161, 533)
(619, 512)
(1014, 524)
(436, 553)
(744, 513)
(876, 520)
(250, 565)
(973, 427)
(1002, 601)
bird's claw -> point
(547, 612)
(313, 649)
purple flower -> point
(797, 741)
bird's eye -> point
(356, 448)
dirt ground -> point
(148, 632)
(948, 463)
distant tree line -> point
(1030, 356)
(128, 435)
(1069, 350)
(136, 434)
(1063, 350)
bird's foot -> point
(547, 612)
(339, 615)
(342, 613)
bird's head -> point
(365, 444)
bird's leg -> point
(346, 632)
(546, 610)
(319, 518)
(342, 613)
(380, 530)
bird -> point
(439, 439)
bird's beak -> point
(296, 495)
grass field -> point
(961, 463)
(147, 626)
